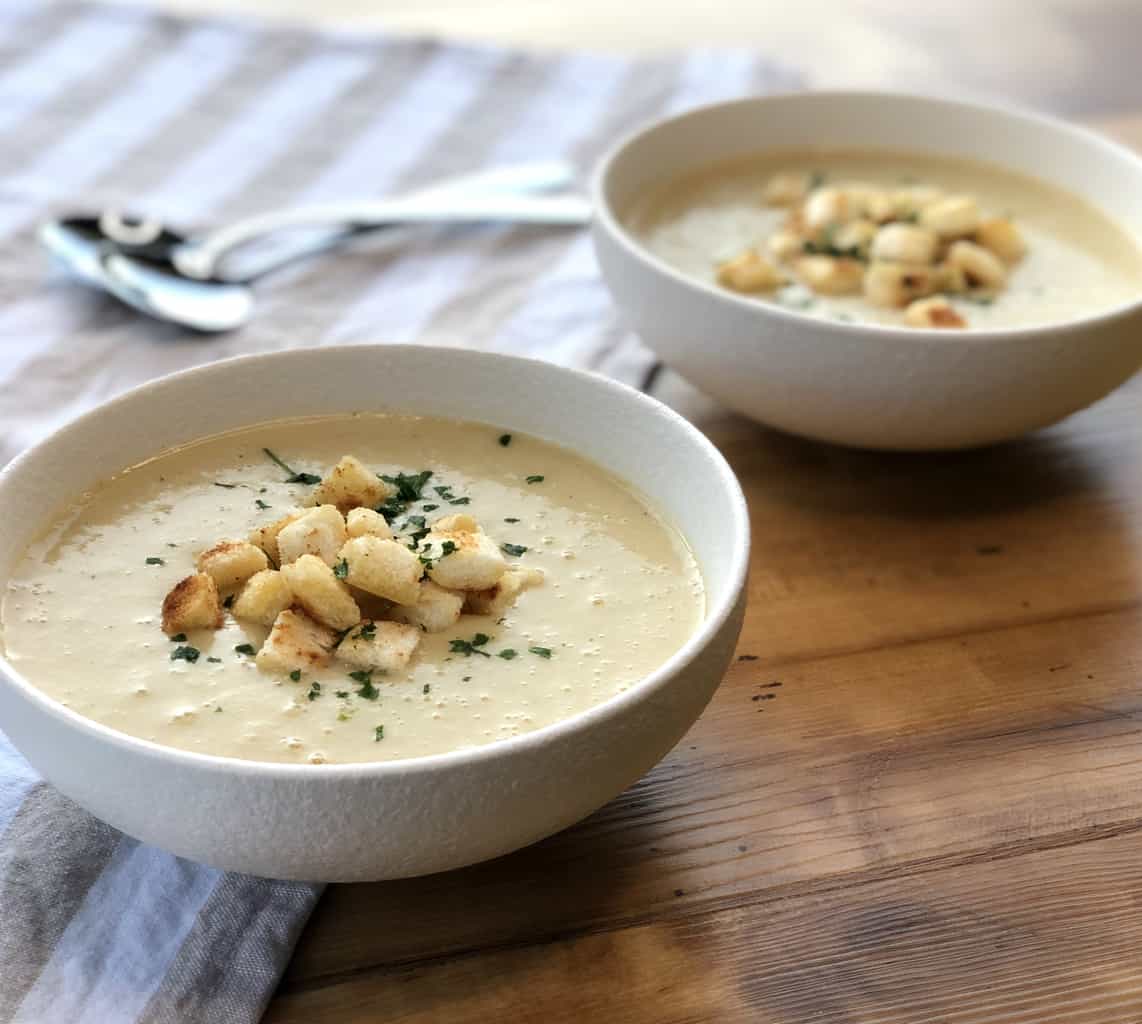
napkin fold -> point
(199, 121)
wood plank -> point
(854, 768)
(1045, 936)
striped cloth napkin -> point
(197, 122)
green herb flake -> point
(507, 654)
(430, 508)
(295, 675)
(505, 439)
(341, 569)
(510, 519)
(378, 734)
(470, 647)
(185, 653)
(367, 631)
(229, 487)
(459, 501)
(216, 661)
(447, 548)
(535, 478)
(341, 694)
(294, 477)
(543, 652)
(466, 679)
(367, 689)
(155, 561)
(261, 504)
(314, 691)
(245, 649)
(427, 688)
(515, 550)
(178, 638)
(409, 485)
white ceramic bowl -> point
(857, 384)
(401, 818)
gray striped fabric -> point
(200, 121)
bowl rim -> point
(606, 218)
(716, 614)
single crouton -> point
(385, 568)
(264, 597)
(320, 593)
(192, 604)
(319, 532)
(365, 522)
(462, 560)
(266, 537)
(379, 646)
(350, 485)
(232, 562)
(435, 610)
(498, 599)
(457, 522)
(295, 642)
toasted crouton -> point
(458, 522)
(385, 568)
(365, 522)
(266, 537)
(463, 560)
(435, 610)
(192, 604)
(320, 593)
(498, 599)
(295, 642)
(264, 597)
(350, 485)
(232, 562)
(379, 646)
(320, 532)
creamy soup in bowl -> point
(436, 694)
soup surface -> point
(619, 593)
(1075, 260)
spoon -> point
(178, 279)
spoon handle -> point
(201, 256)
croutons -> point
(295, 642)
(463, 560)
(379, 646)
(435, 610)
(266, 537)
(385, 568)
(981, 267)
(904, 243)
(320, 532)
(1002, 237)
(785, 189)
(232, 562)
(350, 485)
(323, 596)
(855, 236)
(365, 522)
(193, 603)
(829, 276)
(457, 522)
(897, 284)
(933, 312)
(264, 597)
(749, 273)
(952, 217)
(498, 599)
(827, 206)
(785, 245)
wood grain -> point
(918, 797)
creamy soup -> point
(1055, 257)
(603, 591)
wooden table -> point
(916, 797)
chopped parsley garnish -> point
(505, 439)
(341, 694)
(261, 504)
(427, 688)
(178, 638)
(217, 710)
(314, 691)
(341, 569)
(535, 478)
(507, 654)
(417, 521)
(294, 477)
(378, 734)
(470, 647)
(367, 631)
(543, 652)
(447, 548)
(458, 501)
(295, 675)
(409, 485)
(245, 649)
(367, 689)
(216, 661)
(446, 494)
(229, 487)
(185, 653)
(515, 550)
(510, 519)
(430, 508)
(391, 509)
(155, 561)
(466, 679)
